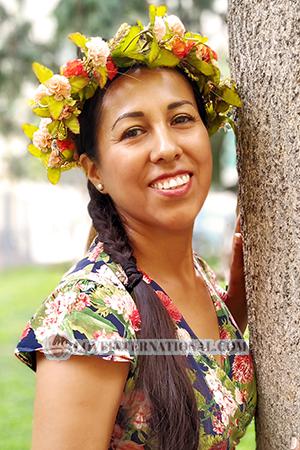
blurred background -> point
(44, 228)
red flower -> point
(66, 144)
(180, 48)
(74, 68)
(111, 68)
(169, 305)
(224, 334)
(135, 320)
(206, 53)
(243, 369)
(220, 446)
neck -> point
(163, 254)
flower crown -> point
(164, 42)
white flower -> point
(159, 28)
(98, 51)
(41, 92)
(59, 86)
(175, 25)
(183, 334)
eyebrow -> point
(141, 114)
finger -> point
(295, 445)
(238, 224)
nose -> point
(164, 147)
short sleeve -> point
(86, 315)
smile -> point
(172, 183)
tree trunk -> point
(264, 43)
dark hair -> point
(174, 421)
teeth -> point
(172, 183)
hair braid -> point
(174, 420)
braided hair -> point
(174, 421)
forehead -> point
(145, 88)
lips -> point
(169, 175)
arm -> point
(76, 402)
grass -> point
(21, 292)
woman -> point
(142, 140)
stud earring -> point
(100, 187)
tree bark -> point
(264, 41)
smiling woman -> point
(124, 321)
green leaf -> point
(55, 107)
(89, 90)
(152, 13)
(29, 129)
(73, 124)
(130, 41)
(154, 51)
(34, 150)
(102, 71)
(42, 112)
(197, 37)
(79, 39)
(53, 175)
(161, 10)
(53, 127)
(165, 58)
(230, 96)
(203, 67)
(41, 72)
(87, 324)
(62, 131)
(78, 83)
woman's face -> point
(154, 150)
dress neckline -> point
(211, 291)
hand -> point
(295, 445)
(236, 287)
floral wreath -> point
(164, 42)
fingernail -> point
(294, 443)
(237, 236)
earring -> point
(100, 187)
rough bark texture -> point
(264, 37)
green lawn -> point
(21, 291)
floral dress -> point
(91, 305)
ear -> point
(91, 169)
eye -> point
(131, 133)
(183, 118)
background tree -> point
(264, 54)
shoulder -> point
(88, 306)
(210, 273)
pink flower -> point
(218, 426)
(82, 301)
(243, 369)
(55, 159)
(40, 93)
(98, 51)
(59, 86)
(135, 319)
(159, 28)
(42, 139)
(175, 25)
(97, 250)
(169, 305)
(25, 331)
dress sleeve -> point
(86, 315)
